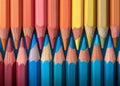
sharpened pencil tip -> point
(77, 43)
(3, 43)
(96, 40)
(89, 41)
(22, 42)
(72, 44)
(28, 39)
(115, 40)
(102, 41)
(84, 45)
(34, 41)
(46, 41)
(110, 44)
(65, 42)
(9, 45)
(16, 44)
(58, 44)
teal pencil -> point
(96, 64)
(109, 65)
(59, 64)
(46, 64)
(84, 64)
(71, 64)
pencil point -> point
(28, 39)
(115, 40)
(16, 44)
(77, 43)
(9, 45)
(89, 38)
(34, 41)
(22, 42)
(65, 42)
(58, 44)
(84, 45)
(40, 41)
(110, 44)
(102, 41)
(3, 43)
(46, 41)
(72, 44)
(96, 40)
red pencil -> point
(21, 66)
(1, 70)
(9, 66)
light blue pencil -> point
(46, 64)
(34, 64)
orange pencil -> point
(28, 20)
(115, 20)
(9, 66)
(53, 20)
(16, 20)
(65, 20)
(4, 21)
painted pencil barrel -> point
(97, 73)
(34, 73)
(71, 74)
(59, 74)
(46, 73)
(118, 75)
(84, 73)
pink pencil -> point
(40, 19)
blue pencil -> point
(84, 65)
(71, 64)
(34, 64)
(97, 64)
(59, 64)
(109, 65)
(118, 67)
(46, 64)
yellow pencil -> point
(102, 19)
(77, 20)
(90, 13)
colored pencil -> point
(65, 20)
(71, 64)
(28, 20)
(4, 21)
(118, 68)
(115, 20)
(46, 64)
(77, 20)
(109, 65)
(34, 64)
(16, 20)
(9, 66)
(59, 64)
(84, 65)
(40, 20)
(96, 64)
(102, 19)
(53, 20)
(90, 19)
(21, 66)
(1, 70)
